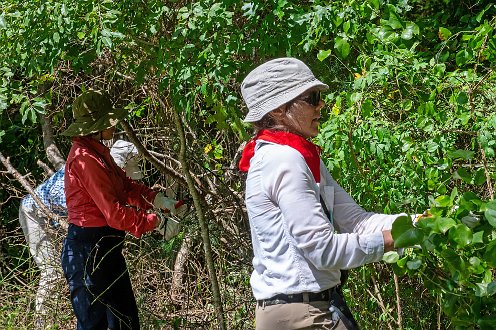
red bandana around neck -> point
(307, 149)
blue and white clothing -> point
(51, 193)
(39, 239)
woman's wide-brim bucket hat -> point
(276, 83)
(93, 112)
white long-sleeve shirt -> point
(296, 248)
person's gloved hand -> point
(417, 217)
(165, 203)
(168, 227)
(181, 210)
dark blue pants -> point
(101, 293)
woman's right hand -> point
(388, 240)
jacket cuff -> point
(375, 247)
(147, 225)
(151, 221)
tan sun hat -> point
(93, 112)
(275, 83)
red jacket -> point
(99, 194)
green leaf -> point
(491, 288)
(3, 23)
(107, 42)
(487, 322)
(485, 289)
(480, 177)
(355, 97)
(375, 3)
(407, 105)
(454, 194)
(367, 108)
(476, 265)
(443, 201)
(323, 54)
(461, 235)
(439, 69)
(400, 225)
(404, 234)
(432, 146)
(391, 257)
(461, 154)
(462, 98)
(346, 26)
(444, 33)
(414, 264)
(448, 303)
(463, 174)
(490, 254)
(438, 225)
(394, 20)
(478, 237)
(482, 13)
(463, 57)
(386, 32)
(410, 30)
(342, 46)
(454, 260)
(470, 201)
(402, 262)
(490, 213)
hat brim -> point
(108, 120)
(255, 115)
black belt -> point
(296, 298)
(94, 234)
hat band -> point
(91, 117)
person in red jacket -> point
(103, 204)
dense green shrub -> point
(410, 124)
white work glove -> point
(417, 217)
(170, 219)
(181, 211)
(165, 203)
(168, 227)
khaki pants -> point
(312, 315)
(44, 254)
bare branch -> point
(178, 273)
(398, 302)
(155, 162)
(217, 298)
(45, 167)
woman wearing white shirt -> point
(305, 228)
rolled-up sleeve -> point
(289, 183)
(103, 191)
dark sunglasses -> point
(313, 98)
